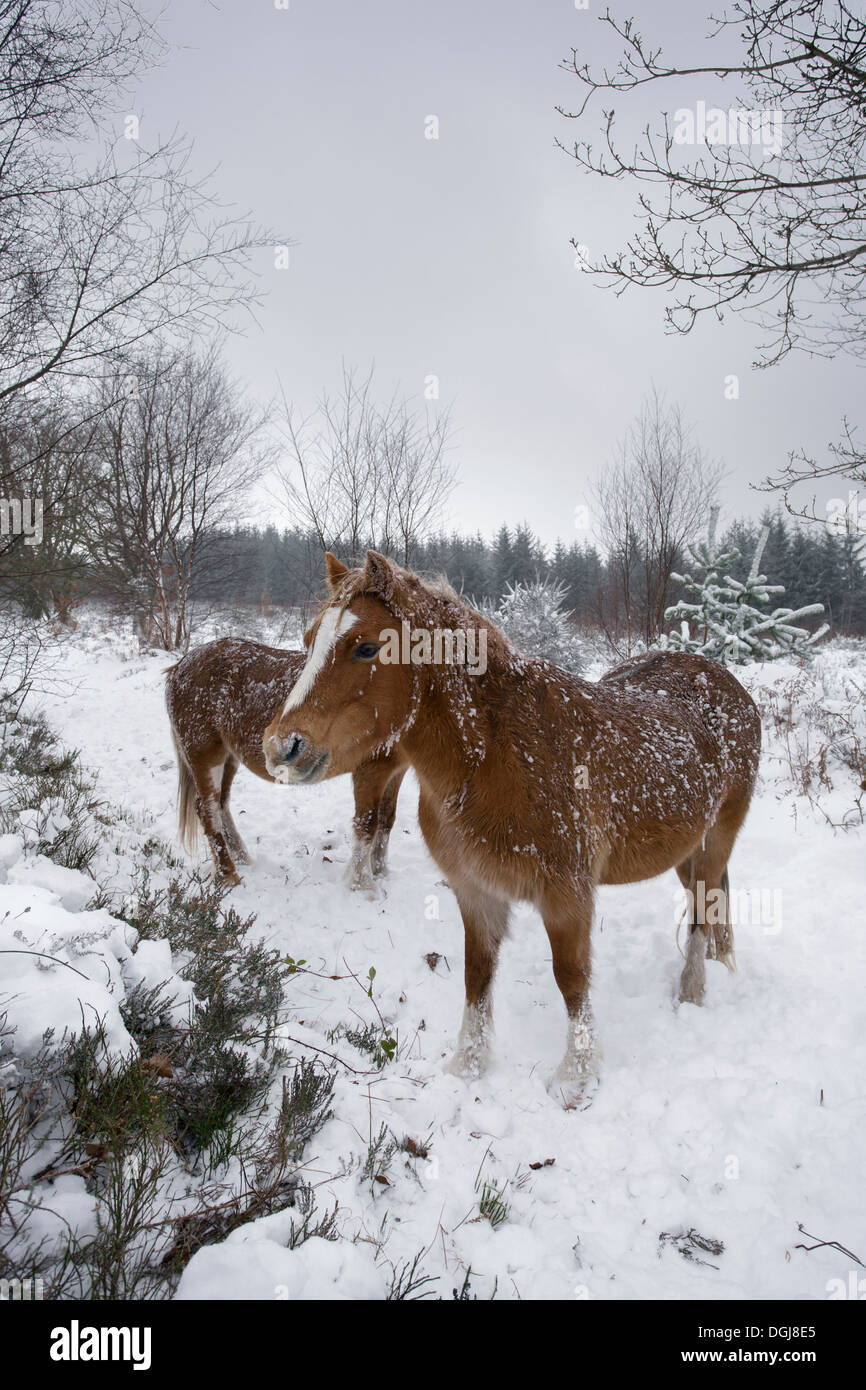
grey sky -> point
(451, 257)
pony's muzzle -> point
(292, 748)
(293, 758)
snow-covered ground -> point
(737, 1120)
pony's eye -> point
(365, 651)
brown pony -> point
(221, 698)
(535, 785)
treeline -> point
(265, 566)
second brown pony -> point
(221, 698)
(535, 785)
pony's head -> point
(347, 703)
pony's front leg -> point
(385, 824)
(485, 923)
(368, 783)
(568, 925)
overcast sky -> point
(451, 257)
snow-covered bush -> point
(142, 1078)
(815, 729)
(533, 617)
(138, 1052)
(46, 796)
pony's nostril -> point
(293, 748)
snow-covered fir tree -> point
(728, 620)
(533, 616)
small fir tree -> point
(727, 620)
(533, 616)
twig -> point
(46, 956)
(819, 1244)
(332, 1055)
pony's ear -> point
(379, 575)
(334, 570)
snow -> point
(73, 889)
(739, 1120)
(59, 965)
(253, 1263)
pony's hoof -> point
(361, 885)
(227, 881)
(372, 888)
(469, 1063)
(574, 1092)
(359, 882)
(691, 995)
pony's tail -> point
(187, 815)
(720, 935)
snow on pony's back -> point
(727, 623)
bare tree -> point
(616, 528)
(178, 454)
(767, 216)
(362, 474)
(656, 497)
(847, 461)
(330, 484)
(46, 470)
(102, 241)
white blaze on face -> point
(331, 628)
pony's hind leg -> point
(485, 923)
(208, 784)
(232, 834)
(692, 980)
(568, 925)
(684, 872)
(710, 930)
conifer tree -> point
(726, 619)
(533, 616)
